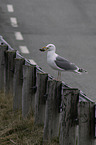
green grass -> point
(15, 130)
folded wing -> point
(65, 64)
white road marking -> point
(19, 36)
(32, 61)
(10, 8)
(24, 49)
(13, 22)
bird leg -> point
(59, 76)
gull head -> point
(49, 47)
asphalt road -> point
(69, 24)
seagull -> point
(60, 63)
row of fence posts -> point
(57, 107)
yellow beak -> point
(43, 49)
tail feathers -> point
(80, 71)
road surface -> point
(69, 24)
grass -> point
(15, 130)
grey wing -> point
(65, 64)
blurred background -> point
(69, 24)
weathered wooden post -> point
(51, 125)
(69, 117)
(3, 48)
(9, 71)
(86, 123)
(18, 82)
(40, 98)
(28, 90)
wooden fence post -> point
(3, 48)
(51, 125)
(40, 98)
(86, 123)
(9, 71)
(69, 117)
(18, 82)
(28, 90)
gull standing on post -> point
(59, 63)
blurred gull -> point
(59, 63)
